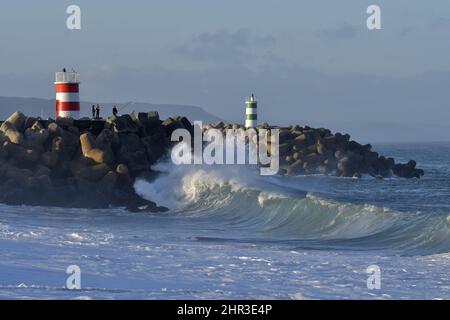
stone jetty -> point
(89, 163)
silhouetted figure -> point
(93, 111)
(64, 69)
(97, 112)
(115, 111)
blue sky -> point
(312, 60)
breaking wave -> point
(277, 209)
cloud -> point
(439, 24)
(226, 46)
(344, 31)
(406, 31)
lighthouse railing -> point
(67, 77)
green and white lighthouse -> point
(251, 114)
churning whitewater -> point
(266, 208)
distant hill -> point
(46, 108)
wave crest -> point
(267, 209)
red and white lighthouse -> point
(67, 94)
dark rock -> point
(41, 170)
(284, 149)
(149, 121)
(17, 119)
(286, 135)
(408, 170)
(83, 124)
(54, 130)
(185, 123)
(64, 122)
(171, 124)
(29, 122)
(130, 142)
(123, 124)
(49, 159)
(295, 168)
(35, 137)
(93, 173)
(23, 157)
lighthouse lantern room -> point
(67, 94)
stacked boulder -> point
(80, 163)
(306, 150)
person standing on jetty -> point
(97, 112)
(93, 111)
(115, 111)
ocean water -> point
(232, 234)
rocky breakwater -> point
(306, 150)
(94, 163)
(81, 163)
